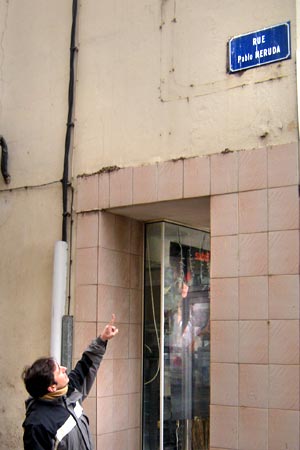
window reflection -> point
(176, 338)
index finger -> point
(113, 318)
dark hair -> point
(39, 376)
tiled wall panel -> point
(267, 271)
(254, 292)
(108, 280)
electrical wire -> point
(177, 434)
(32, 186)
(154, 319)
(70, 254)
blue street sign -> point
(260, 47)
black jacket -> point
(60, 424)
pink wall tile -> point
(86, 266)
(134, 376)
(135, 271)
(284, 252)
(283, 429)
(107, 266)
(122, 233)
(284, 297)
(87, 230)
(107, 230)
(90, 411)
(224, 341)
(120, 185)
(136, 237)
(253, 254)
(104, 378)
(224, 299)
(283, 208)
(253, 211)
(113, 268)
(253, 298)
(86, 303)
(145, 184)
(120, 376)
(122, 441)
(254, 384)
(170, 180)
(284, 342)
(196, 181)
(136, 299)
(112, 299)
(87, 193)
(224, 384)
(284, 387)
(224, 173)
(103, 188)
(114, 441)
(134, 410)
(121, 412)
(105, 422)
(116, 414)
(121, 264)
(253, 169)
(224, 427)
(224, 214)
(114, 232)
(135, 335)
(224, 256)
(253, 429)
(253, 341)
(283, 165)
(134, 438)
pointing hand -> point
(110, 330)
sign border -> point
(288, 25)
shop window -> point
(176, 346)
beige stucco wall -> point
(152, 82)
(34, 66)
(26, 239)
(151, 86)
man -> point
(54, 415)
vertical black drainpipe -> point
(67, 321)
(4, 160)
(70, 123)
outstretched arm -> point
(83, 375)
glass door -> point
(176, 354)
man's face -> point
(60, 376)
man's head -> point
(44, 376)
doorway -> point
(176, 340)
